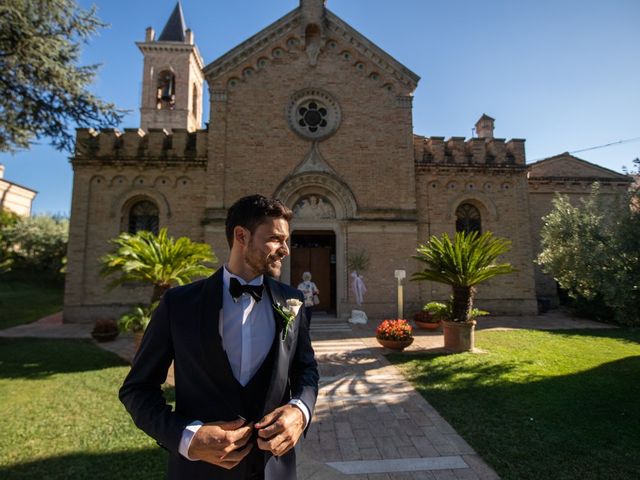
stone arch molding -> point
(333, 189)
(125, 199)
(477, 199)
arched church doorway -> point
(315, 251)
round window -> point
(313, 114)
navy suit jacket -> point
(184, 329)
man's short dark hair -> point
(251, 211)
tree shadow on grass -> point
(33, 358)
(141, 464)
(584, 425)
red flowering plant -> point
(394, 330)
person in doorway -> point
(311, 294)
(246, 380)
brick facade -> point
(384, 190)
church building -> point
(310, 111)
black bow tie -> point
(236, 290)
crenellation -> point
(131, 140)
(476, 150)
(157, 142)
(135, 144)
(469, 152)
(454, 150)
(435, 147)
(86, 142)
(496, 151)
(515, 151)
(108, 141)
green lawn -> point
(540, 404)
(61, 418)
(23, 301)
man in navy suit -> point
(246, 379)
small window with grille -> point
(143, 215)
(468, 219)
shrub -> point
(39, 243)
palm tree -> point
(463, 264)
(157, 259)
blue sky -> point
(563, 74)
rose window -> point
(313, 114)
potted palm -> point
(158, 260)
(463, 263)
(394, 334)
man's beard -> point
(262, 263)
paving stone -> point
(399, 465)
(461, 445)
(349, 449)
(370, 454)
(422, 475)
(386, 448)
(444, 475)
(343, 430)
(409, 452)
(409, 427)
(420, 419)
(364, 439)
(424, 447)
(435, 436)
(401, 476)
(466, 474)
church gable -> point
(294, 34)
(566, 166)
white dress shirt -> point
(247, 329)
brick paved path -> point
(369, 422)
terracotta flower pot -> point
(137, 338)
(459, 336)
(427, 325)
(398, 345)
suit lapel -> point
(214, 357)
(280, 370)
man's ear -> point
(240, 236)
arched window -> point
(143, 215)
(468, 219)
(166, 91)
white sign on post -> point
(400, 275)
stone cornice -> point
(172, 47)
(371, 51)
(470, 168)
(542, 179)
(140, 162)
(335, 25)
(257, 42)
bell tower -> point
(172, 77)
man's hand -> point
(279, 430)
(222, 443)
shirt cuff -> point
(187, 435)
(305, 410)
